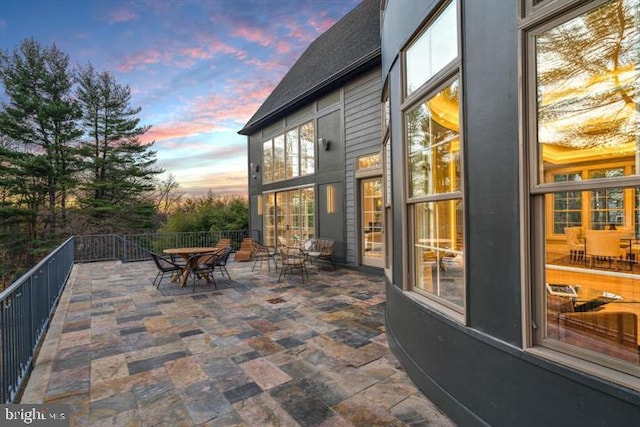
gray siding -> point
(362, 136)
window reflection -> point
(434, 144)
(438, 250)
(289, 155)
(588, 79)
(588, 130)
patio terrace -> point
(254, 352)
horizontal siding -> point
(362, 136)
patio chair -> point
(177, 259)
(293, 259)
(164, 266)
(221, 263)
(246, 250)
(202, 265)
(262, 253)
(223, 243)
(322, 249)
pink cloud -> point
(197, 53)
(141, 59)
(121, 15)
(237, 104)
(173, 131)
(218, 183)
(253, 34)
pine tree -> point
(40, 119)
(120, 168)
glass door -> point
(372, 233)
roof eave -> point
(364, 63)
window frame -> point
(536, 195)
(438, 81)
(271, 173)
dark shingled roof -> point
(350, 46)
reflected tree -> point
(588, 78)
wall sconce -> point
(331, 208)
(259, 203)
(324, 142)
(254, 169)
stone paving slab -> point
(253, 352)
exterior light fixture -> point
(325, 143)
(254, 170)
(331, 208)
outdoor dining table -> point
(187, 253)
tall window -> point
(436, 47)
(289, 155)
(586, 118)
(433, 147)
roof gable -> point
(352, 44)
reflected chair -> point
(164, 266)
(292, 259)
(263, 253)
(575, 243)
(603, 245)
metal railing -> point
(28, 304)
(26, 310)
(136, 247)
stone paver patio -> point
(254, 352)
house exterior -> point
(314, 145)
(513, 125)
(503, 157)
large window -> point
(433, 150)
(289, 217)
(289, 155)
(584, 140)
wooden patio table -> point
(187, 253)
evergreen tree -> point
(120, 169)
(40, 119)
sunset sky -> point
(199, 69)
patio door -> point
(294, 216)
(372, 231)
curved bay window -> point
(584, 184)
